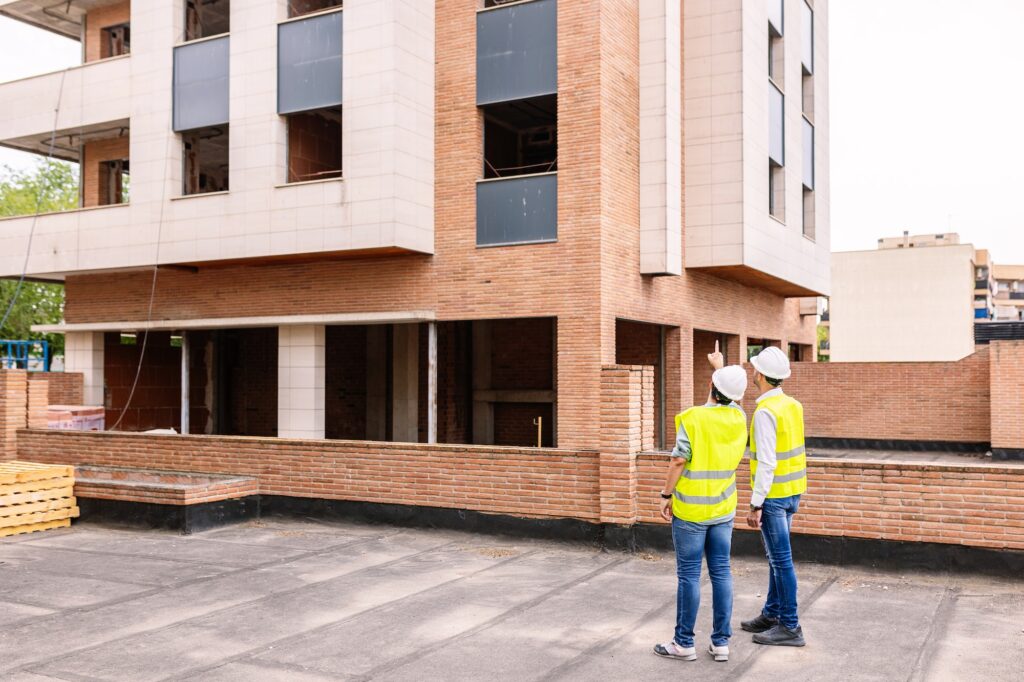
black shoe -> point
(759, 624)
(780, 635)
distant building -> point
(1009, 297)
(918, 240)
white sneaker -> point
(719, 653)
(673, 650)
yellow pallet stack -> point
(36, 497)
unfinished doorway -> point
(756, 345)
(639, 343)
(513, 382)
(703, 344)
(242, 372)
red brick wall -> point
(156, 403)
(93, 154)
(65, 388)
(523, 482)
(251, 373)
(1007, 394)
(98, 19)
(314, 147)
(345, 381)
(931, 401)
(978, 505)
(13, 409)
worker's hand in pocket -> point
(754, 519)
(716, 359)
(666, 509)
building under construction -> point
(424, 222)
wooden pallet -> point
(35, 497)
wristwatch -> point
(666, 496)
(753, 508)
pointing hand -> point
(716, 359)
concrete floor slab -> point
(312, 601)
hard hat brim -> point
(770, 375)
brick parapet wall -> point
(525, 482)
(625, 402)
(1006, 371)
(65, 388)
(978, 505)
(37, 403)
(926, 401)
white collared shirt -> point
(766, 437)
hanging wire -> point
(39, 204)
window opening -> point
(205, 152)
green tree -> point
(49, 186)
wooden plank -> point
(32, 528)
(36, 486)
(39, 517)
(33, 507)
(35, 495)
(13, 474)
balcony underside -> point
(761, 280)
(63, 18)
(67, 143)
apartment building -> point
(1009, 293)
(424, 221)
(914, 298)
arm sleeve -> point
(682, 448)
(766, 438)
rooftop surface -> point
(303, 600)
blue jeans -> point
(776, 520)
(692, 542)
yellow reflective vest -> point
(706, 491)
(791, 458)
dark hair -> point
(718, 396)
(772, 381)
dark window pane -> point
(517, 210)
(201, 84)
(516, 52)
(309, 63)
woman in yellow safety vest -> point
(699, 498)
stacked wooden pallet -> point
(36, 497)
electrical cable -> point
(39, 204)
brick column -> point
(13, 409)
(621, 439)
(647, 403)
(83, 352)
(300, 381)
(38, 403)
(1006, 385)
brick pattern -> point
(622, 397)
(520, 481)
(65, 388)
(931, 401)
(151, 487)
(94, 176)
(13, 409)
(978, 505)
(1007, 393)
(156, 403)
(99, 18)
(314, 147)
(37, 404)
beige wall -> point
(902, 304)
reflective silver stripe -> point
(786, 478)
(789, 454)
(708, 475)
(707, 499)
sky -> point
(927, 117)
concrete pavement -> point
(304, 600)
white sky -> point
(927, 117)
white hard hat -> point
(730, 381)
(772, 363)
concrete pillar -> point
(376, 382)
(431, 382)
(300, 381)
(483, 411)
(405, 383)
(83, 352)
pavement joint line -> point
(937, 627)
(744, 665)
(200, 579)
(656, 612)
(206, 614)
(127, 555)
(283, 641)
(486, 625)
(32, 604)
(65, 675)
(68, 574)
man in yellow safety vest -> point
(699, 498)
(778, 476)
